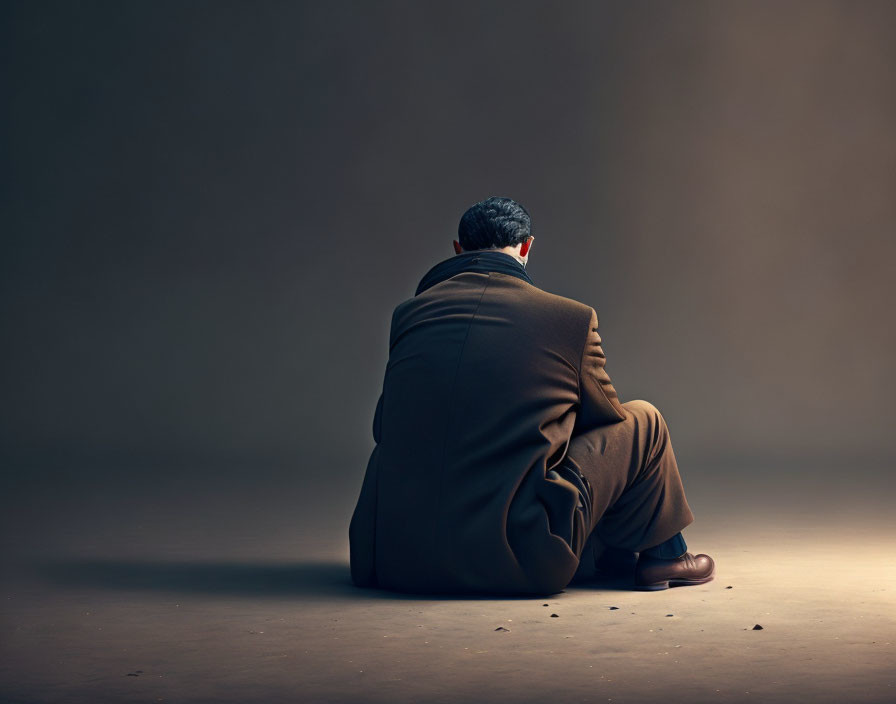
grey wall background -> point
(210, 210)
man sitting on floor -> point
(504, 461)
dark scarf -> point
(482, 261)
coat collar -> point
(478, 260)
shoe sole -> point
(657, 586)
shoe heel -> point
(652, 587)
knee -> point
(643, 408)
(647, 415)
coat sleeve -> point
(599, 401)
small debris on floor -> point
(554, 616)
(729, 587)
(757, 627)
(132, 674)
(668, 615)
(544, 604)
(501, 628)
(614, 608)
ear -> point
(457, 248)
(524, 248)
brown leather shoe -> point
(653, 573)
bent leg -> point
(637, 498)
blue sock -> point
(668, 549)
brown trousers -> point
(637, 496)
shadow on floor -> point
(324, 579)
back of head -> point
(494, 222)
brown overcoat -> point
(488, 378)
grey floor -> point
(234, 587)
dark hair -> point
(494, 222)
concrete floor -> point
(236, 589)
